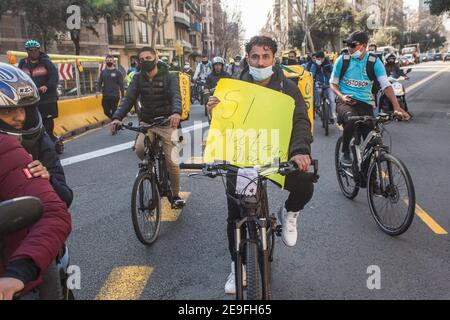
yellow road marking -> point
(169, 214)
(418, 84)
(430, 222)
(125, 283)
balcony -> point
(187, 46)
(196, 27)
(169, 43)
(182, 19)
(116, 40)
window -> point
(128, 28)
(143, 34)
(141, 3)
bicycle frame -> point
(255, 217)
(366, 152)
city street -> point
(338, 238)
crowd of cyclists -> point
(29, 164)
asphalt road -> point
(338, 239)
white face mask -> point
(318, 62)
(357, 54)
(261, 74)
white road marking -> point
(118, 148)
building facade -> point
(208, 26)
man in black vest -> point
(159, 94)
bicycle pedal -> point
(279, 231)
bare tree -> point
(157, 13)
(228, 31)
(301, 9)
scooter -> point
(385, 105)
(19, 214)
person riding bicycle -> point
(292, 59)
(159, 93)
(188, 70)
(24, 122)
(218, 73)
(27, 254)
(354, 88)
(45, 75)
(321, 73)
(262, 70)
(203, 69)
(234, 69)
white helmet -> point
(217, 60)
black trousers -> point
(109, 105)
(344, 112)
(49, 125)
(301, 192)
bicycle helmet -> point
(218, 60)
(32, 44)
(18, 90)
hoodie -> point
(43, 73)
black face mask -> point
(148, 66)
(109, 64)
(205, 62)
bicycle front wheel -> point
(391, 195)
(326, 117)
(254, 289)
(345, 176)
(146, 208)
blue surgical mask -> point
(318, 62)
(357, 54)
(261, 74)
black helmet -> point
(18, 90)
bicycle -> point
(374, 168)
(324, 107)
(152, 183)
(257, 249)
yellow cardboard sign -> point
(252, 126)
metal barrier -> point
(78, 115)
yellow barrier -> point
(75, 114)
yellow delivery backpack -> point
(305, 84)
(185, 90)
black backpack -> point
(370, 69)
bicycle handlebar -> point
(285, 168)
(382, 117)
(143, 129)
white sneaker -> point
(230, 286)
(289, 226)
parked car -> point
(437, 56)
(407, 59)
(423, 57)
(447, 56)
(430, 56)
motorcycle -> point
(22, 213)
(385, 105)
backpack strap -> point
(370, 67)
(345, 65)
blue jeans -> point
(330, 96)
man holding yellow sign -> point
(291, 114)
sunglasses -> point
(33, 50)
(353, 45)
